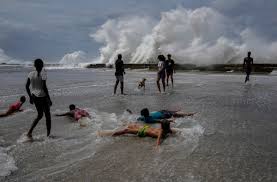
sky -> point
(67, 29)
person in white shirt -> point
(161, 72)
(39, 95)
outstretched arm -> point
(182, 114)
(27, 86)
(64, 114)
(159, 139)
(45, 89)
(173, 66)
(243, 66)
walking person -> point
(39, 96)
(161, 72)
(170, 69)
(119, 72)
(247, 66)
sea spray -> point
(201, 36)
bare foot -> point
(29, 136)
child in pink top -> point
(15, 107)
(75, 113)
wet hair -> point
(22, 99)
(165, 125)
(144, 112)
(38, 63)
(119, 56)
(72, 107)
(249, 53)
(161, 58)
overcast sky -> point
(51, 29)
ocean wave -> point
(199, 36)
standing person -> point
(247, 66)
(169, 69)
(119, 72)
(39, 95)
(161, 72)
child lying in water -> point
(76, 113)
(156, 116)
(145, 131)
(15, 107)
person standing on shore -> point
(169, 69)
(39, 96)
(119, 72)
(161, 72)
(247, 66)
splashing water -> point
(200, 36)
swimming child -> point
(15, 107)
(145, 131)
(76, 113)
(156, 116)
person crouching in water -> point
(39, 95)
(76, 113)
(15, 107)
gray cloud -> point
(51, 29)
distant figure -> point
(75, 113)
(157, 116)
(15, 107)
(169, 69)
(119, 72)
(39, 95)
(247, 66)
(161, 72)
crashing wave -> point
(5, 59)
(200, 36)
(77, 59)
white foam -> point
(6, 59)
(274, 73)
(7, 163)
(187, 137)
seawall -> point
(262, 68)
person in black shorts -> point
(161, 72)
(247, 66)
(119, 72)
(169, 66)
(39, 96)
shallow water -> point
(231, 138)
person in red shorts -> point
(15, 107)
